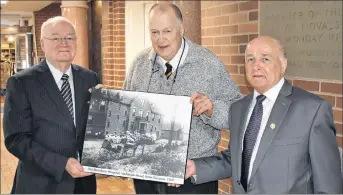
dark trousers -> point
(151, 187)
(85, 185)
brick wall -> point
(113, 43)
(226, 28)
(41, 16)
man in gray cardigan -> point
(175, 65)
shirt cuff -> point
(194, 179)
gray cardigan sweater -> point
(201, 72)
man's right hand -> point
(75, 169)
(98, 86)
(190, 171)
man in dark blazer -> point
(45, 117)
(282, 138)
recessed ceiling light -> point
(3, 2)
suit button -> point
(77, 137)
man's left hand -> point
(202, 104)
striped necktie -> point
(168, 72)
(66, 94)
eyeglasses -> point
(59, 40)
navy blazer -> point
(40, 131)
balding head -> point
(273, 42)
(265, 63)
(164, 7)
(54, 21)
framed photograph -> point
(137, 135)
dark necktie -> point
(250, 138)
(169, 70)
(66, 94)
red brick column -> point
(113, 43)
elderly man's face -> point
(263, 64)
(165, 33)
(59, 50)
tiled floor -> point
(106, 185)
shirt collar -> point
(57, 74)
(174, 62)
(273, 92)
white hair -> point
(53, 21)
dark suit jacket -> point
(298, 154)
(40, 131)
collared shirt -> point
(57, 74)
(268, 104)
(175, 61)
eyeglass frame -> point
(59, 39)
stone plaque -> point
(311, 32)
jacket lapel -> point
(78, 87)
(44, 76)
(244, 108)
(276, 117)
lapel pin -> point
(272, 125)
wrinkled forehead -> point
(262, 47)
(162, 19)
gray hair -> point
(281, 48)
(52, 21)
(165, 7)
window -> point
(125, 112)
(109, 113)
(152, 117)
(141, 113)
(159, 119)
(108, 124)
(147, 115)
(142, 102)
(133, 111)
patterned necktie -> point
(250, 138)
(169, 70)
(66, 94)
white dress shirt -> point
(174, 62)
(268, 104)
(57, 74)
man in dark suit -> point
(282, 138)
(45, 117)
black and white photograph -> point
(137, 135)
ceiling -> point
(13, 12)
(23, 6)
